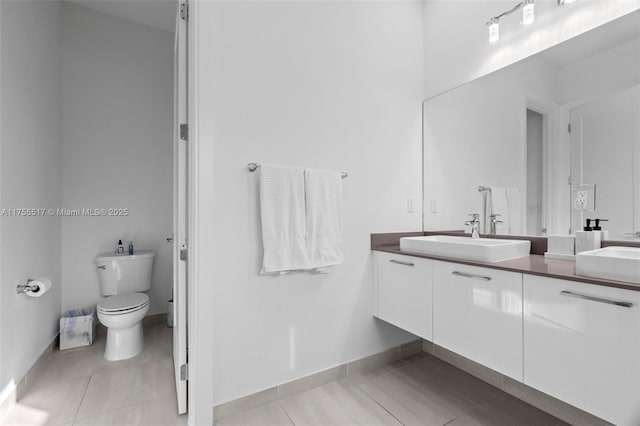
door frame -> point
(200, 384)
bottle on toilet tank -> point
(130, 248)
(120, 247)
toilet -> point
(123, 279)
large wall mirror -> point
(545, 143)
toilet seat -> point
(123, 303)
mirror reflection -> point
(540, 146)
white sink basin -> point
(613, 263)
(467, 248)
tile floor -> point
(79, 387)
(419, 390)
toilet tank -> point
(124, 273)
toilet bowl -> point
(122, 315)
(123, 279)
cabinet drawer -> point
(405, 292)
(582, 345)
(478, 314)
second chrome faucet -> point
(475, 225)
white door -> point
(180, 210)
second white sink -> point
(614, 263)
(466, 248)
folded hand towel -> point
(324, 225)
(282, 209)
(488, 206)
(514, 201)
(500, 206)
(507, 203)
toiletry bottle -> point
(588, 239)
(130, 247)
(120, 247)
(604, 235)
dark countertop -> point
(534, 264)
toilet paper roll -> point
(41, 286)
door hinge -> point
(184, 132)
(569, 127)
(184, 252)
(184, 11)
(184, 372)
(569, 179)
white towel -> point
(487, 200)
(323, 191)
(282, 209)
(507, 203)
(514, 202)
(500, 206)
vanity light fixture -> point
(564, 2)
(528, 16)
(494, 30)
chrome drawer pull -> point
(597, 299)
(401, 263)
(466, 275)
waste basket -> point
(77, 328)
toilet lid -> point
(123, 302)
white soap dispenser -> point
(604, 235)
(587, 239)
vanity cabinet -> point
(404, 292)
(477, 313)
(582, 346)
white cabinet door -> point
(404, 292)
(585, 352)
(477, 313)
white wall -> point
(117, 108)
(334, 85)
(456, 46)
(30, 136)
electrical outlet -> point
(584, 197)
(581, 200)
(434, 206)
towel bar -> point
(254, 166)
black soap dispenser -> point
(588, 226)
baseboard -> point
(298, 386)
(531, 396)
(20, 389)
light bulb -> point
(494, 30)
(528, 14)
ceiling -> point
(615, 33)
(154, 13)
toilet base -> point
(124, 343)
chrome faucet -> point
(493, 222)
(475, 225)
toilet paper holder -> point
(23, 288)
